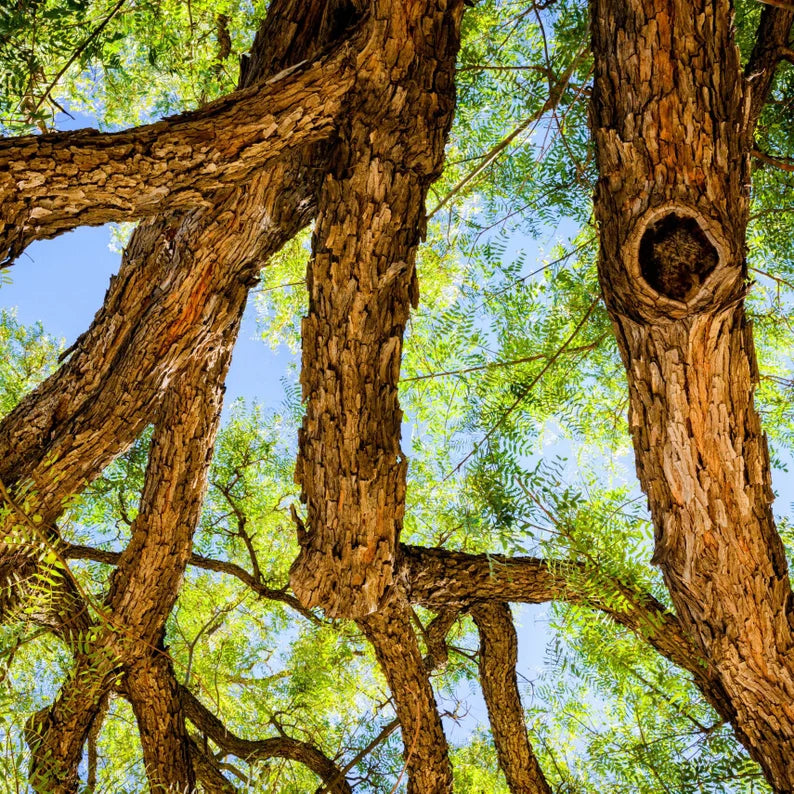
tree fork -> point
(672, 120)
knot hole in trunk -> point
(676, 256)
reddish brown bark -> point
(672, 119)
(361, 286)
(144, 586)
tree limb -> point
(52, 183)
(771, 44)
(497, 662)
(426, 756)
(262, 749)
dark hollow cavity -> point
(676, 257)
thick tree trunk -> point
(361, 287)
(145, 584)
(497, 663)
(670, 114)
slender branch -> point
(777, 162)
(497, 364)
(524, 392)
(555, 96)
(262, 749)
(76, 54)
(498, 658)
(76, 551)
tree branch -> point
(426, 756)
(497, 662)
(441, 578)
(55, 182)
(262, 749)
(771, 44)
(73, 551)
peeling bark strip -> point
(361, 286)
(52, 183)
(426, 756)
(669, 114)
(497, 663)
(144, 589)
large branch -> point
(497, 662)
(144, 587)
(181, 276)
(153, 693)
(52, 183)
(361, 286)
(390, 632)
(438, 578)
(262, 749)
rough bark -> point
(438, 579)
(390, 632)
(670, 114)
(153, 693)
(145, 586)
(180, 274)
(52, 183)
(361, 285)
(497, 663)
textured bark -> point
(497, 662)
(262, 749)
(771, 40)
(52, 183)
(670, 113)
(154, 696)
(145, 585)
(180, 274)
(207, 772)
(439, 579)
(397, 650)
(361, 285)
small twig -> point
(496, 364)
(527, 390)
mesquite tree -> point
(341, 117)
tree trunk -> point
(144, 587)
(361, 287)
(670, 114)
(425, 746)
